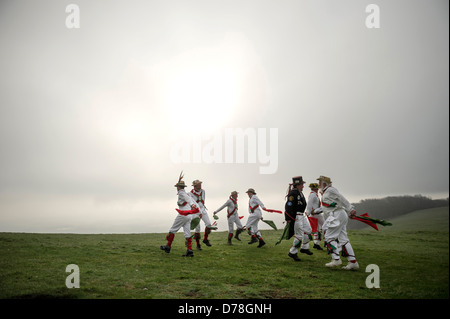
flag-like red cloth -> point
(187, 212)
(368, 222)
(314, 222)
(273, 211)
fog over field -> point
(103, 104)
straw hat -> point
(180, 182)
(324, 179)
(196, 182)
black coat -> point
(295, 203)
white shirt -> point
(230, 207)
(198, 196)
(183, 197)
(313, 204)
(253, 202)
(332, 200)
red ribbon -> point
(368, 222)
(187, 212)
(273, 211)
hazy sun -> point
(201, 98)
(201, 87)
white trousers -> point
(205, 219)
(301, 230)
(336, 235)
(234, 219)
(252, 223)
(182, 221)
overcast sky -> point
(97, 122)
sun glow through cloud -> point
(201, 99)
(201, 88)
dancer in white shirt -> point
(232, 216)
(255, 215)
(337, 208)
(186, 207)
(198, 195)
(313, 211)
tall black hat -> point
(297, 180)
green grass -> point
(412, 255)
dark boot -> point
(253, 240)
(261, 243)
(316, 246)
(189, 253)
(206, 242)
(237, 234)
(306, 251)
(229, 239)
(294, 256)
(165, 248)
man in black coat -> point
(299, 226)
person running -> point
(295, 207)
(198, 195)
(313, 211)
(232, 216)
(255, 215)
(186, 207)
(337, 208)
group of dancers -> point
(304, 219)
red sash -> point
(187, 212)
(314, 222)
(198, 200)
(235, 207)
(252, 209)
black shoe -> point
(165, 248)
(306, 251)
(189, 253)
(229, 242)
(237, 234)
(316, 246)
(294, 256)
(206, 242)
(261, 243)
(253, 240)
(199, 247)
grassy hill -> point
(433, 219)
(394, 206)
(412, 255)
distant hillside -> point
(432, 219)
(392, 207)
